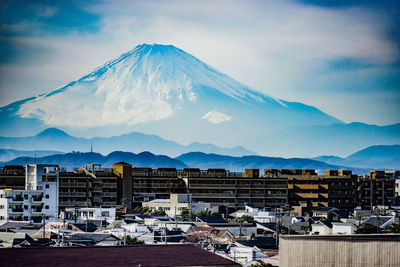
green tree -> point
(245, 218)
(130, 241)
(207, 212)
(366, 229)
(395, 228)
(159, 212)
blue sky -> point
(340, 56)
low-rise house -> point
(83, 214)
(177, 203)
(384, 222)
(322, 227)
(92, 239)
(259, 215)
(343, 228)
(120, 229)
(244, 255)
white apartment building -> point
(176, 203)
(22, 205)
(44, 177)
(83, 214)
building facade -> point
(23, 205)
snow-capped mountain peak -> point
(146, 84)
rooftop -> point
(143, 255)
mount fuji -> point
(162, 90)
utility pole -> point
(44, 226)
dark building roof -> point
(172, 236)
(143, 255)
(91, 227)
(260, 242)
(324, 209)
(381, 220)
(212, 219)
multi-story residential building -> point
(23, 205)
(12, 176)
(149, 184)
(307, 190)
(91, 186)
(232, 189)
(377, 189)
(44, 178)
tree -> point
(395, 228)
(159, 212)
(366, 229)
(185, 213)
(130, 241)
(245, 218)
(207, 212)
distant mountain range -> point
(9, 154)
(56, 139)
(192, 159)
(78, 159)
(162, 90)
(336, 139)
(387, 157)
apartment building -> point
(12, 176)
(23, 205)
(377, 189)
(233, 189)
(91, 186)
(45, 178)
(307, 190)
(149, 184)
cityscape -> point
(187, 133)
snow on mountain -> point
(159, 89)
(146, 84)
(216, 117)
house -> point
(177, 203)
(325, 212)
(322, 227)
(343, 228)
(92, 239)
(137, 255)
(262, 242)
(244, 255)
(120, 229)
(383, 221)
(208, 233)
(83, 214)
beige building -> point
(339, 250)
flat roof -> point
(143, 255)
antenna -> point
(91, 147)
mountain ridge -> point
(158, 89)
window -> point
(46, 207)
(47, 196)
(26, 196)
(90, 213)
(47, 186)
(105, 214)
(1, 207)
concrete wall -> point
(340, 250)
